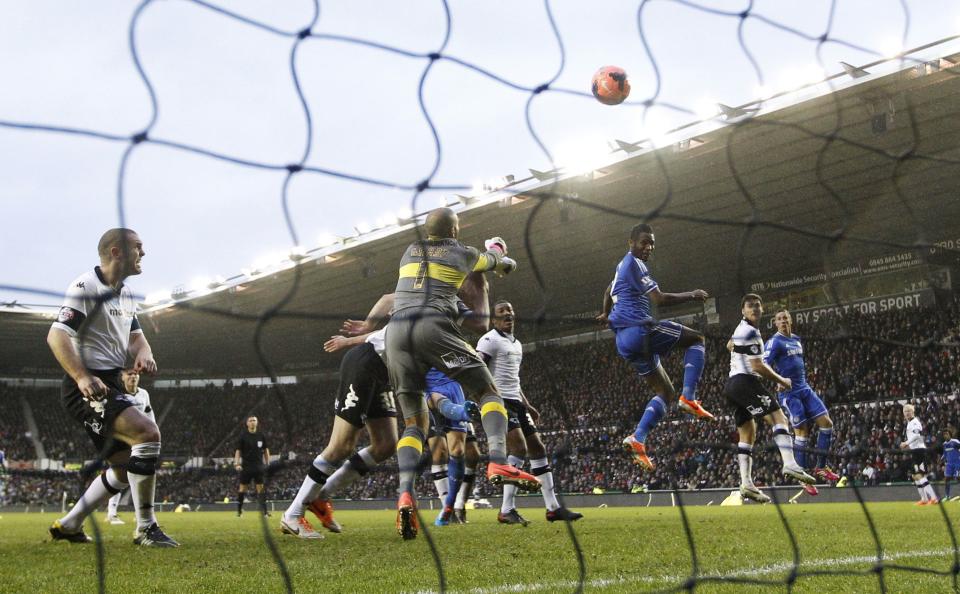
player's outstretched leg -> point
(70, 526)
(824, 439)
(781, 436)
(493, 415)
(656, 410)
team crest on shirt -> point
(66, 314)
(95, 426)
(754, 349)
(259, 444)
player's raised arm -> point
(380, 312)
(338, 343)
(661, 298)
(495, 257)
(474, 292)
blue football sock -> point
(455, 468)
(823, 444)
(693, 361)
(800, 451)
(454, 412)
(656, 410)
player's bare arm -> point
(475, 295)
(661, 298)
(142, 354)
(236, 459)
(607, 305)
(767, 372)
(534, 413)
(380, 312)
(266, 456)
(66, 353)
(338, 342)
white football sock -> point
(745, 460)
(113, 504)
(141, 472)
(92, 498)
(316, 477)
(540, 468)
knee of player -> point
(535, 447)
(149, 433)
(382, 451)
(825, 422)
(337, 451)
(517, 449)
(471, 453)
(457, 449)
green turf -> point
(625, 550)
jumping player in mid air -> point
(641, 340)
(751, 400)
(423, 333)
(784, 353)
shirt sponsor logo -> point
(454, 360)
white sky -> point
(225, 86)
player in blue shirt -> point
(449, 433)
(642, 340)
(951, 457)
(784, 353)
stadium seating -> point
(588, 399)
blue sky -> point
(226, 86)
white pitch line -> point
(601, 583)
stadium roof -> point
(860, 166)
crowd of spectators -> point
(14, 435)
(588, 399)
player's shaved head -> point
(113, 238)
(442, 223)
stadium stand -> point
(588, 399)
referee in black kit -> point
(251, 459)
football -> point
(610, 85)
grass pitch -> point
(625, 550)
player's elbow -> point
(756, 365)
(478, 324)
(55, 338)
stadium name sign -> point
(865, 267)
(912, 300)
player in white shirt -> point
(918, 449)
(93, 334)
(503, 354)
(751, 399)
(141, 400)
